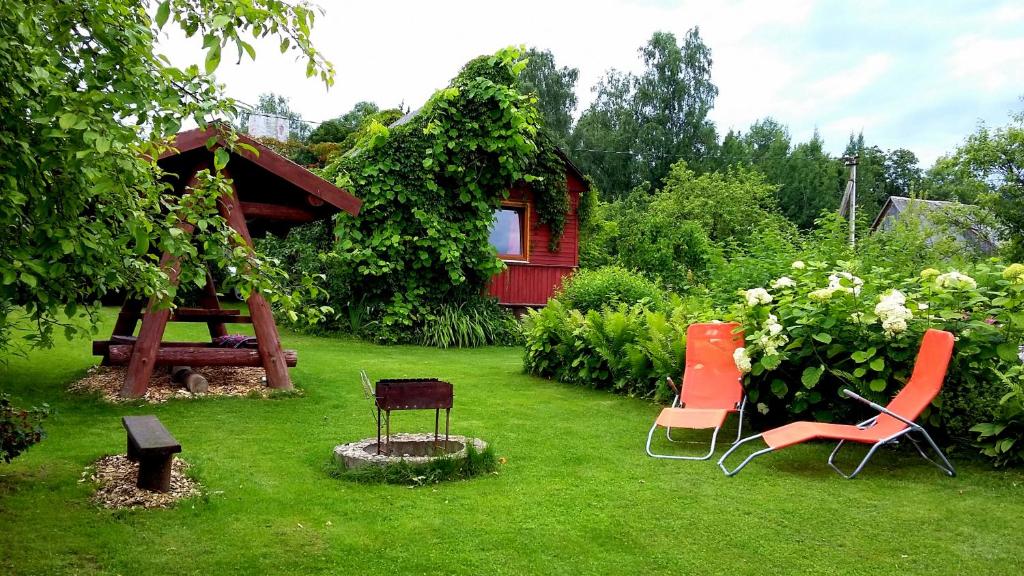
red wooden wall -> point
(531, 283)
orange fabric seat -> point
(695, 418)
(893, 421)
(712, 385)
(798, 432)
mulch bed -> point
(224, 381)
(116, 477)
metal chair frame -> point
(740, 407)
(911, 428)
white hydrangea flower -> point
(821, 294)
(799, 265)
(757, 296)
(892, 313)
(783, 282)
(773, 338)
(835, 281)
(955, 280)
(739, 356)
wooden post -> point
(143, 359)
(128, 318)
(209, 300)
(268, 341)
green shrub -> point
(609, 286)
(478, 322)
(19, 428)
(1003, 438)
(823, 328)
(628, 349)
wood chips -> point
(224, 381)
(116, 477)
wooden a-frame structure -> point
(269, 193)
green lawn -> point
(576, 496)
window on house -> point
(509, 232)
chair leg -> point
(650, 435)
(945, 466)
(721, 461)
(871, 452)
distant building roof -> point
(980, 235)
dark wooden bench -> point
(153, 447)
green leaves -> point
(878, 364)
(822, 337)
(811, 375)
(1008, 352)
(67, 120)
(863, 356)
(220, 158)
(212, 59)
(163, 11)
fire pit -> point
(411, 448)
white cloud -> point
(988, 63)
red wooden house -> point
(533, 271)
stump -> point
(195, 382)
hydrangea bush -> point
(826, 326)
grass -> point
(576, 495)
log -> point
(192, 380)
(198, 356)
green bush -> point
(19, 429)
(609, 286)
(628, 349)
(822, 328)
(429, 189)
(477, 322)
(1003, 438)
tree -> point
(901, 172)
(86, 106)
(338, 129)
(638, 126)
(811, 182)
(996, 158)
(672, 99)
(271, 104)
(555, 89)
(605, 136)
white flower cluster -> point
(799, 265)
(892, 312)
(757, 296)
(784, 282)
(852, 285)
(773, 338)
(955, 280)
(741, 359)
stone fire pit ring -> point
(412, 448)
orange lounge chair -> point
(893, 421)
(712, 386)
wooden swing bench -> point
(269, 193)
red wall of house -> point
(532, 283)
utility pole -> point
(848, 206)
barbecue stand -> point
(413, 394)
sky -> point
(912, 74)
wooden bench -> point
(153, 447)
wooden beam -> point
(268, 341)
(279, 212)
(221, 320)
(207, 312)
(121, 354)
